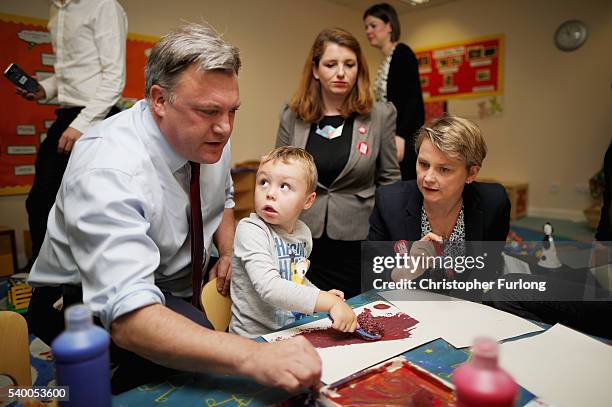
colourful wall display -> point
(462, 69)
(23, 124)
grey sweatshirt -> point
(263, 289)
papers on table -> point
(457, 321)
(562, 366)
(342, 361)
(512, 265)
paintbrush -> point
(365, 335)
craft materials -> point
(480, 382)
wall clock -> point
(571, 35)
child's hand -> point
(337, 293)
(344, 318)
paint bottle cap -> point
(484, 353)
(78, 317)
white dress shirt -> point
(120, 223)
(89, 39)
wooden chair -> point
(15, 360)
(217, 307)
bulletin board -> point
(23, 124)
(462, 69)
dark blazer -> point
(604, 229)
(349, 200)
(404, 91)
(397, 216)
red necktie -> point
(195, 229)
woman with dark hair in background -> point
(397, 81)
(333, 116)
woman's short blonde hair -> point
(456, 137)
(302, 157)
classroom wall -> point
(557, 118)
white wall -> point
(557, 118)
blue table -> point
(191, 389)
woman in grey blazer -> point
(333, 116)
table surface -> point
(199, 389)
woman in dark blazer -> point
(445, 204)
(333, 116)
(397, 81)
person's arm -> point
(110, 36)
(404, 91)
(107, 231)
(224, 241)
(223, 238)
(343, 316)
(169, 339)
(284, 135)
(48, 88)
(387, 167)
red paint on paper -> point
(382, 306)
(397, 326)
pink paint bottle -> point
(480, 382)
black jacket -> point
(404, 91)
(397, 216)
(397, 212)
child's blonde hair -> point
(456, 137)
(289, 153)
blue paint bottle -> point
(82, 361)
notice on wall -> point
(470, 68)
(24, 124)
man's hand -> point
(39, 94)
(223, 271)
(422, 248)
(344, 317)
(400, 144)
(66, 142)
(291, 364)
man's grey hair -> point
(189, 44)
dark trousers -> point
(131, 370)
(336, 264)
(50, 166)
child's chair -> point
(15, 360)
(217, 307)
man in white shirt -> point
(119, 229)
(89, 39)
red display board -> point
(23, 124)
(462, 69)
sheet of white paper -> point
(342, 361)
(562, 366)
(514, 265)
(457, 321)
